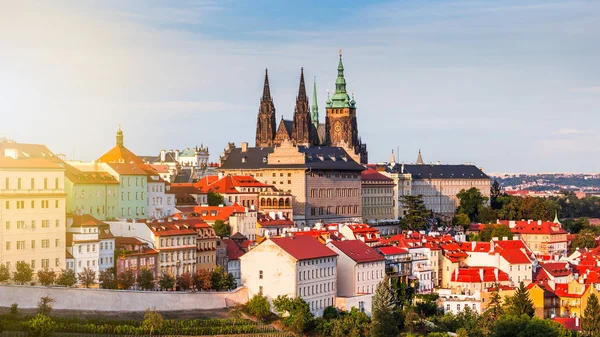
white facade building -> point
(161, 203)
(422, 270)
(360, 267)
(294, 266)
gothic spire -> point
(120, 137)
(314, 108)
(419, 158)
(393, 158)
(266, 90)
(302, 87)
(340, 98)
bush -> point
(23, 274)
(258, 307)
(14, 309)
(46, 277)
(45, 305)
(67, 278)
(152, 321)
(4, 273)
(40, 326)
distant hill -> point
(550, 182)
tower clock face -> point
(337, 128)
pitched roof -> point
(473, 275)
(303, 247)
(358, 251)
(429, 171)
(24, 151)
(556, 269)
(316, 158)
(371, 174)
(29, 163)
(228, 184)
(392, 250)
(86, 220)
(127, 169)
(77, 176)
(213, 213)
(535, 227)
(233, 251)
(120, 154)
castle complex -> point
(340, 128)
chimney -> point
(505, 238)
(539, 222)
(496, 273)
(495, 238)
(176, 155)
(576, 321)
(162, 155)
(244, 146)
(481, 274)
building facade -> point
(32, 210)
(298, 267)
(324, 181)
(378, 199)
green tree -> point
(461, 219)
(495, 192)
(383, 305)
(166, 282)
(87, 277)
(494, 309)
(486, 214)
(470, 321)
(184, 281)
(46, 277)
(201, 280)
(214, 198)
(146, 279)
(583, 240)
(108, 279)
(495, 231)
(520, 303)
(67, 278)
(299, 319)
(218, 279)
(126, 279)
(417, 216)
(351, 323)
(590, 322)
(221, 228)
(510, 326)
(543, 328)
(152, 321)
(23, 274)
(4, 273)
(45, 305)
(258, 307)
(40, 326)
(469, 202)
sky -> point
(511, 86)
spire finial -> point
(314, 109)
(119, 137)
(419, 158)
(340, 52)
(266, 88)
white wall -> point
(118, 300)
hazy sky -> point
(508, 85)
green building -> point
(93, 193)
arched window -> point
(281, 202)
(287, 201)
(269, 202)
(262, 202)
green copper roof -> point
(314, 108)
(340, 98)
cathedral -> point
(340, 128)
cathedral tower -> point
(341, 125)
(301, 129)
(265, 125)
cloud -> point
(586, 90)
(569, 131)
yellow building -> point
(573, 298)
(32, 208)
(545, 301)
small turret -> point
(120, 137)
(419, 158)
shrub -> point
(40, 326)
(152, 321)
(46, 277)
(45, 305)
(4, 273)
(259, 307)
(14, 309)
(23, 274)
(67, 278)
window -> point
(20, 204)
(45, 223)
(56, 183)
(8, 225)
(32, 244)
(260, 289)
(57, 223)
(32, 265)
(20, 224)
(55, 203)
(19, 183)
(7, 245)
(20, 245)
(260, 275)
(46, 243)
(32, 223)
(56, 243)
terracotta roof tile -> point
(358, 251)
(303, 247)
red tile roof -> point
(228, 184)
(392, 250)
(233, 251)
(303, 247)
(556, 269)
(214, 213)
(535, 227)
(570, 323)
(473, 275)
(77, 176)
(358, 251)
(372, 175)
(86, 220)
